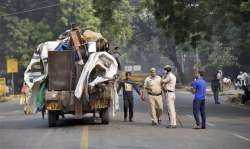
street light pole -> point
(183, 58)
(195, 4)
(196, 54)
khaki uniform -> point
(169, 81)
(153, 87)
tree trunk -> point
(173, 57)
(182, 76)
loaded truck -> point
(76, 74)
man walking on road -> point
(199, 86)
(152, 85)
(215, 86)
(127, 85)
(169, 82)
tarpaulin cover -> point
(37, 72)
(101, 59)
(41, 96)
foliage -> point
(116, 19)
(219, 30)
(145, 46)
(26, 34)
(245, 6)
(80, 12)
(21, 33)
(201, 21)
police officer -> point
(127, 85)
(152, 85)
(169, 82)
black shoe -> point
(217, 103)
(154, 123)
(130, 120)
(172, 126)
(203, 127)
(125, 120)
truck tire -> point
(52, 118)
(105, 116)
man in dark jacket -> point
(215, 86)
(127, 85)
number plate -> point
(99, 104)
(53, 106)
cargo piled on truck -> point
(76, 74)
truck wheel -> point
(105, 116)
(52, 117)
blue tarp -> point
(65, 45)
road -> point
(228, 127)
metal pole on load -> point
(76, 40)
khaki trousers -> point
(171, 107)
(156, 107)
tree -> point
(116, 20)
(196, 22)
(21, 33)
(245, 6)
(23, 37)
(80, 12)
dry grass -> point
(8, 98)
(234, 98)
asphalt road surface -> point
(228, 127)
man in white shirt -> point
(152, 85)
(169, 82)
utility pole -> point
(183, 59)
(194, 4)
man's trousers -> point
(170, 97)
(199, 109)
(128, 106)
(216, 96)
(156, 107)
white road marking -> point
(209, 124)
(241, 137)
(2, 117)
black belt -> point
(169, 91)
(153, 94)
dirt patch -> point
(236, 99)
(8, 98)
